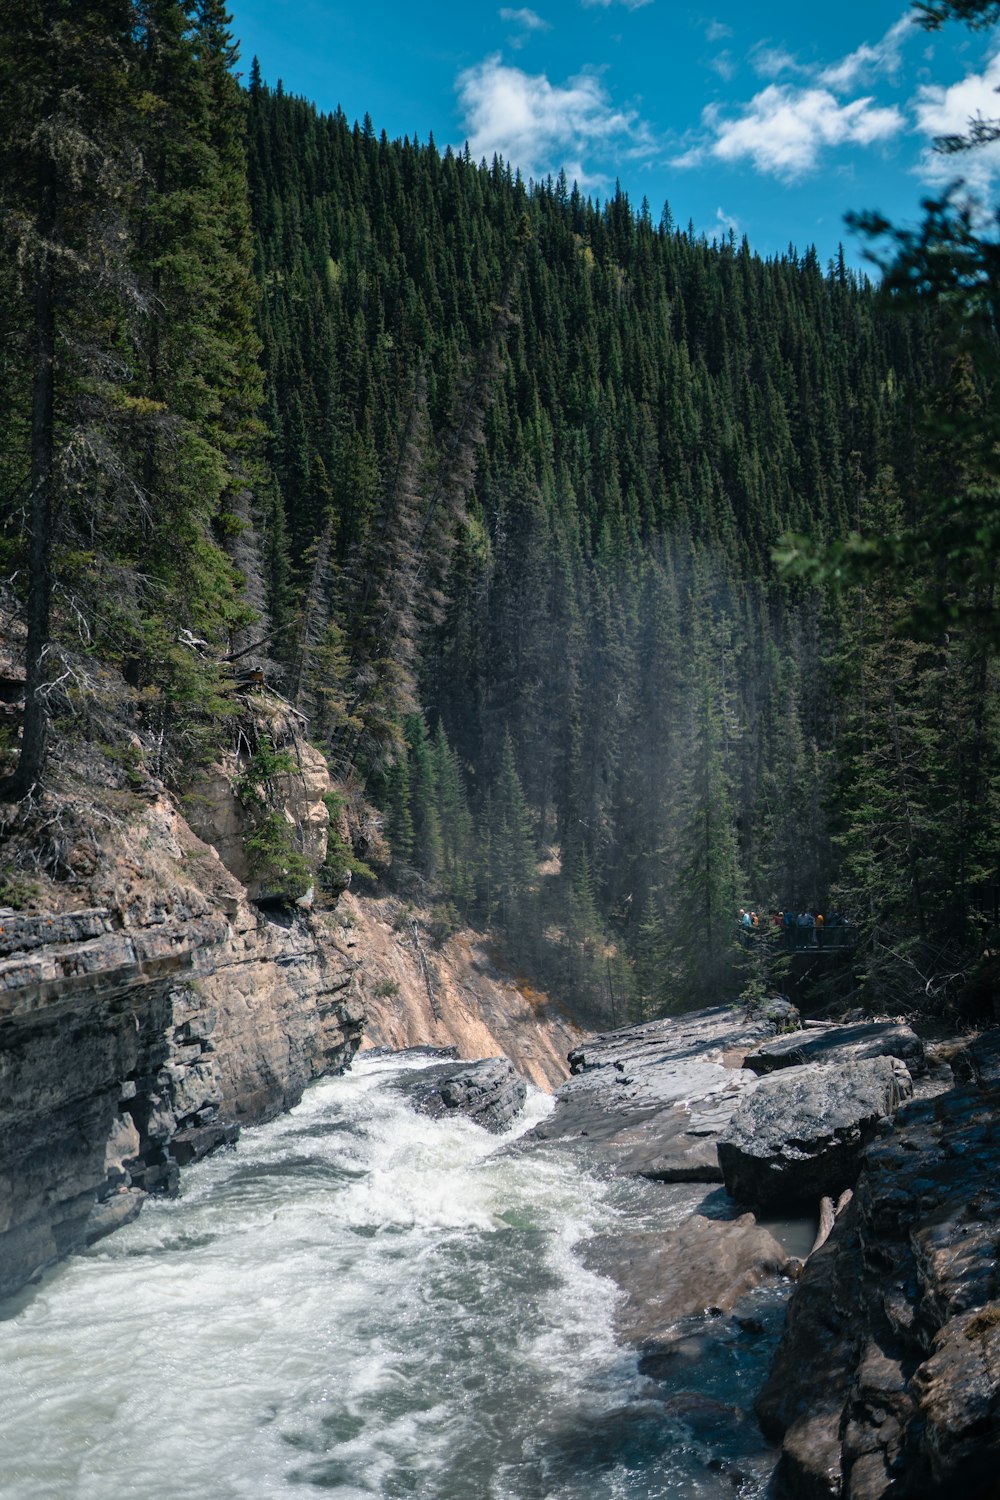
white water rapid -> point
(358, 1301)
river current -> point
(358, 1301)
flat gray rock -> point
(651, 1099)
(703, 1264)
(840, 1044)
(798, 1135)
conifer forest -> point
(631, 577)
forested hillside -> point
(488, 480)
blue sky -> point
(773, 118)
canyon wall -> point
(149, 1008)
(140, 1030)
(425, 988)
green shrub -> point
(269, 844)
(273, 859)
(341, 862)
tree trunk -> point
(31, 764)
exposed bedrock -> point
(489, 1092)
(653, 1099)
(798, 1135)
(705, 1263)
(136, 1037)
(887, 1382)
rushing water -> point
(359, 1301)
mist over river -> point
(363, 1302)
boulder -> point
(798, 1135)
(837, 1044)
(490, 1092)
(121, 1208)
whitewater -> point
(358, 1301)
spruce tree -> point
(509, 858)
(67, 168)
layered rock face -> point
(422, 990)
(136, 1036)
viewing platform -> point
(835, 938)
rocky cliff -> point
(149, 1007)
(147, 1011)
(887, 1383)
(423, 988)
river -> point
(358, 1301)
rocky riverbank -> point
(153, 1001)
(885, 1381)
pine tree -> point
(510, 866)
(398, 805)
(67, 166)
(455, 821)
(703, 868)
(428, 847)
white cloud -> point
(718, 31)
(771, 62)
(784, 130)
(724, 223)
(526, 21)
(947, 111)
(605, 4)
(723, 64)
(868, 61)
(540, 127)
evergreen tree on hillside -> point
(198, 385)
(458, 844)
(916, 855)
(509, 865)
(702, 868)
(428, 844)
(67, 168)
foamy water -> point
(358, 1301)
